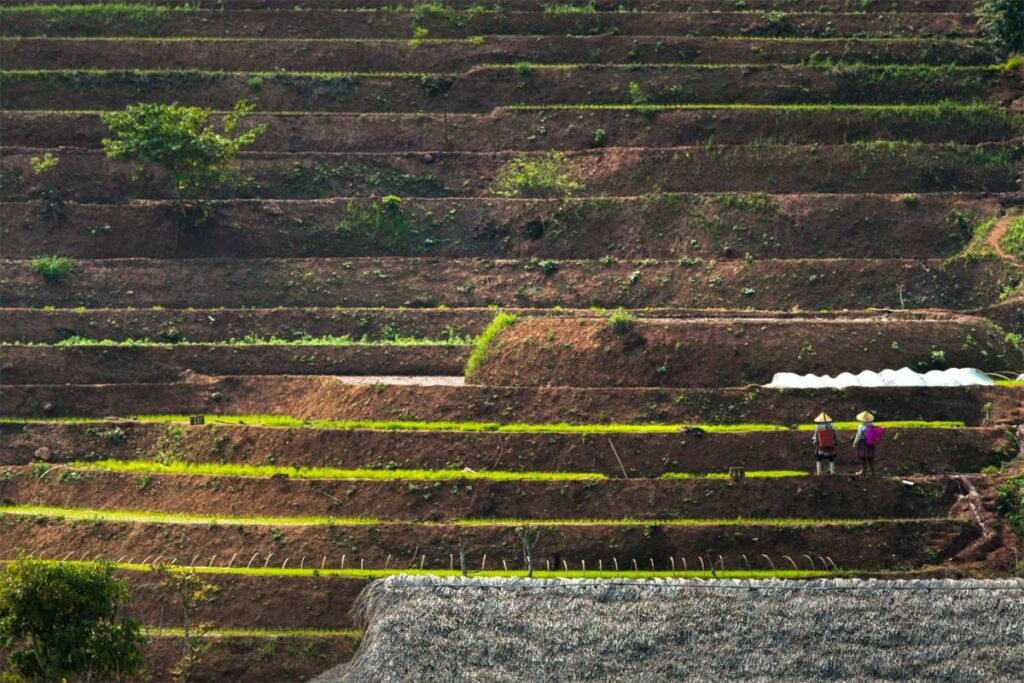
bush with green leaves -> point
(183, 140)
(54, 269)
(1010, 502)
(1002, 22)
(545, 175)
(621, 322)
(1013, 240)
(60, 621)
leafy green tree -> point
(1003, 23)
(192, 593)
(59, 620)
(198, 157)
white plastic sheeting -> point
(904, 377)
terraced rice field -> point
(766, 186)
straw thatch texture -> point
(432, 629)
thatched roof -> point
(434, 629)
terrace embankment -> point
(568, 127)
(101, 364)
(868, 545)
(875, 167)
(643, 499)
(483, 88)
(331, 398)
(720, 226)
(590, 352)
(52, 325)
(447, 56)
(908, 450)
(812, 284)
(271, 23)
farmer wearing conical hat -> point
(868, 436)
(824, 439)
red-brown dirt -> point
(483, 88)
(588, 352)
(131, 364)
(799, 497)
(428, 282)
(333, 24)
(505, 129)
(906, 451)
(868, 546)
(328, 398)
(387, 55)
(34, 325)
(697, 226)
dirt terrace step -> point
(387, 24)
(800, 497)
(725, 226)
(482, 89)
(425, 283)
(883, 167)
(257, 54)
(540, 129)
(964, 6)
(906, 450)
(133, 364)
(255, 658)
(330, 398)
(35, 325)
(588, 352)
(892, 544)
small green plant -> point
(1010, 502)
(539, 176)
(636, 94)
(483, 346)
(45, 163)
(910, 200)
(54, 269)
(524, 68)
(548, 266)
(621, 322)
(600, 138)
(184, 141)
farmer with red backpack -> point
(824, 439)
(868, 436)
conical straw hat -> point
(866, 417)
(823, 418)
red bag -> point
(873, 435)
(826, 438)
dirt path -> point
(996, 235)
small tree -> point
(192, 593)
(182, 140)
(59, 620)
(529, 543)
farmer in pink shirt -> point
(868, 436)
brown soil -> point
(589, 352)
(88, 176)
(505, 129)
(425, 283)
(253, 659)
(381, 24)
(697, 226)
(863, 546)
(338, 56)
(964, 6)
(831, 497)
(101, 364)
(482, 89)
(922, 451)
(327, 398)
(35, 325)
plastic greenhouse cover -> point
(904, 377)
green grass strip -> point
(750, 474)
(233, 470)
(253, 340)
(538, 574)
(285, 421)
(92, 514)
